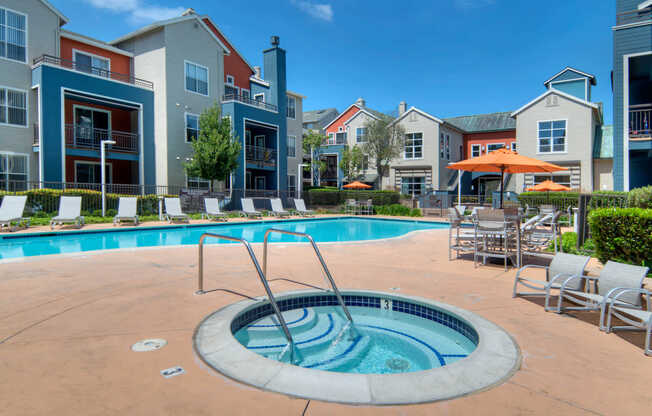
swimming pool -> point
(338, 229)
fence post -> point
(582, 211)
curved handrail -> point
(321, 260)
(261, 275)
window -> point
(365, 162)
(245, 94)
(494, 146)
(560, 179)
(91, 172)
(13, 35)
(552, 136)
(13, 172)
(259, 97)
(230, 91)
(340, 138)
(193, 182)
(413, 146)
(441, 145)
(230, 80)
(292, 107)
(448, 147)
(13, 107)
(91, 126)
(413, 185)
(292, 146)
(331, 138)
(361, 135)
(196, 78)
(292, 183)
(475, 150)
(513, 145)
(93, 64)
(192, 127)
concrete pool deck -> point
(67, 324)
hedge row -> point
(563, 200)
(623, 235)
(46, 201)
(331, 197)
(397, 210)
(640, 197)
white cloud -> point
(316, 10)
(473, 4)
(138, 11)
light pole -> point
(103, 144)
(300, 175)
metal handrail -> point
(261, 275)
(321, 260)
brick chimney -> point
(402, 108)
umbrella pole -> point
(502, 173)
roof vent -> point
(361, 102)
(257, 72)
(188, 12)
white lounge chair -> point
(69, 212)
(11, 212)
(127, 210)
(173, 210)
(561, 267)
(277, 208)
(248, 208)
(212, 206)
(636, 318)
(300, 207)
(618, 285)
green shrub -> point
(563, 200)
(327, 196)
(640, 197)
(622, 234)
(397, 210)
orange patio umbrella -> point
(548, 185)
(357, 185)
(504, 160)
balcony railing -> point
(250, 101)
(633, 16)
(640, 120)
(88, 138)
(88, 69)
(262, 156)
(334, 141)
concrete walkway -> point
(67, 324)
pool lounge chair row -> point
(616, 292)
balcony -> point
(100, 72)
(633, 16)
(640, 119)
(334, 141)
(81, 137)
(261, 156)
(249, 101)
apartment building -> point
(632, 94)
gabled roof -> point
(577, 71)
(560, 93)
(227, 39)
(482, 123)
(56, 11)
(316, 115)
(162, 23)
(416, 110)
(93, 42)
(375, 114)
(363, 110)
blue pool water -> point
(322, 230)
(382, 341)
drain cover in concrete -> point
(149, 345)
(172, 371)
(397, 364)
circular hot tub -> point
(397, 350)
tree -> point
(312, 142)
(351, 162)
(216, 150)
(384, 143)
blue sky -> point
(447, 57)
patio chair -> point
(498, 236)
(636, 319)
(367, 207)
(300, 207)
(213, 211)
(618, 285)
(561, 267)
(127, 208)
(248, 208)
(461, 209)
(351, 206)
(538, 232)
(277, 208)
(173, 210)
(69, 212)
(11, 212)
(459, 239)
